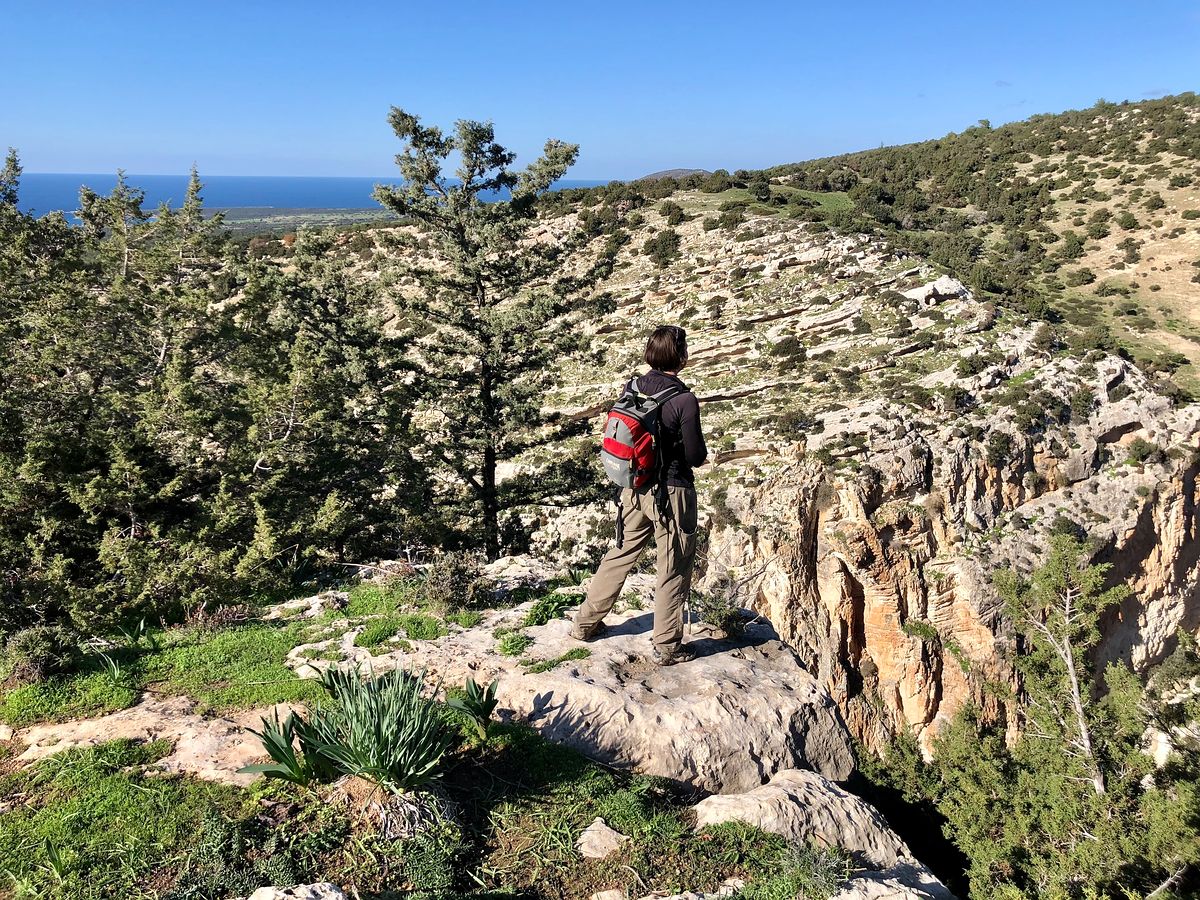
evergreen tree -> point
(1059, 610)
(1075, 806)
(499, 300)
(181, 426)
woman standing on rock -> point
(664, 507)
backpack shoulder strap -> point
(673, 391)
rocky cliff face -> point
(882, 441)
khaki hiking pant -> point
(675, 541)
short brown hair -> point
(667, 348)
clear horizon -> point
(242, 90)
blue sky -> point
(303, 88)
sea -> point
(43, 192)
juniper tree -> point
(498, 294)
(168, 437)
(1059, 610)
(1075, 806)
(1070, 803)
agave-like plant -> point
(383, 729)
(279, 740)
(478, 704)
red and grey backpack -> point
(630, 446)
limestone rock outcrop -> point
(725, 721)
(210, 747)
(805, 807)
(881, 441)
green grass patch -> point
(546, 665)
(71, 697)
(465, 618)
(421, 627)
(97, 829)
(513, 643)
(231, 669)
(92, 824)
(368, 599)
(540, 796)
(418, 626)
(378, 632)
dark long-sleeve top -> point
(681, 441)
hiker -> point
(662, 500)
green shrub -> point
(1142, 451)
(731, 219)
(1082, 401)
(1127, 220)
(552, 606)
(672, 211)
(1191, 214)
(455, 579)
(662, 248)
(477, 704)
(720, 607)
(998, 450)
(38, 652)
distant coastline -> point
(43, 192)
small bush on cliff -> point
(455, 579)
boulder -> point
(725, 721)
(805, 807)
(512, 572)
(942, 289)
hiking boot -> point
(589, 633)
(682, 653)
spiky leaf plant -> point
(380, 728)
(478, 704)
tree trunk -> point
(491, 506)
(1067, 652)
(1085, 737)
